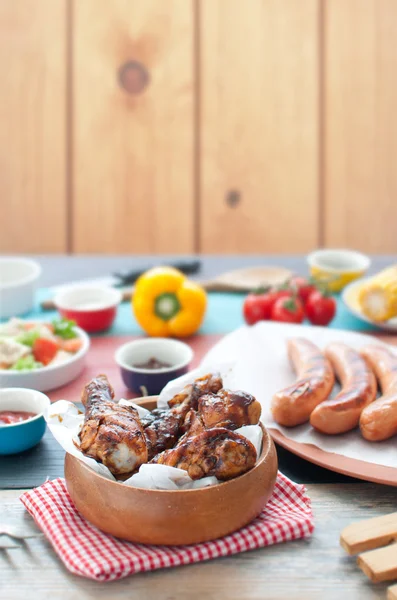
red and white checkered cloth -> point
(88, 552)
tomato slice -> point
(72, 345)
(44, 350)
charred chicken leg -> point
(217, 452)
(163, 427)
(111, 434)
(190, 395)
(229, 409)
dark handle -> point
(133, 77)
(233, 198)
(188, 267)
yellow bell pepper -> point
(166, 303)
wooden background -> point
(258, 126)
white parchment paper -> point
(65, 421)
(262, 368)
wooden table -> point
(315, 569)
(312, 569)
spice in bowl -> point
(153, 364)
(149, 364)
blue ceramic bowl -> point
(173, 352)
(26, 434)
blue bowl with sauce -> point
(148, 364)
(29, 406)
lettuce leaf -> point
(27, 363)
(28, 338)
(64, 328)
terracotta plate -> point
(337, 462)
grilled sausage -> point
(379, 420)
(294, 404)
(342, 413)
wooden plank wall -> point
(360, 124)
(259, 126)
(198, 125)
(133, 151)
(33, 126)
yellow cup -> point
(336, 268)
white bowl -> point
(52, 376)
(93, 308)
(178, 354)
(18, 437)
(18, 279)
(337, 267)
(23, 399)
(87, 298)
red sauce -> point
(9, 417)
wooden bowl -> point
(172, 517)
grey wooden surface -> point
(313, 569)
(61, 269)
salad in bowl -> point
(41, 355)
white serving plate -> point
(349, 297)
(261, 367)
(51, 377)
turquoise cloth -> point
(224, 314)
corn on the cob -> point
(378, 297)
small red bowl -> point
(92, 308)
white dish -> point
(337, 267)
(349, 298)
(18, 280)
(176, 353)
(261, 367)
(339, 260)
(25, 400)
(20, 436)
(87, 298)
(52, 376)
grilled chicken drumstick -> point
(111, 434)
(229, 409)
(217, 452)
(188, 398)
(117, 437)
(163, 427)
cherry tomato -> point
(257, 307)
(320, 309)
(303, 287)
(288, 310)
(282, 293)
